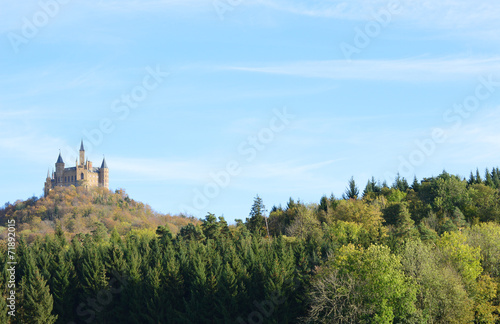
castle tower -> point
(59, 169)
(104, 174)
(82, 154)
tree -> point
(450, 192)
(210, 227)
(465, 258)
(458, 218)
(362, 286)
(472, 180)
(371, 186)
(442, 297)
(36, 301)
(352, 191)
(485, 203)
(400, 183)
(488, 179)
(478, 178)
(303, 224)
(191, 232)
(486, 237)
(60, 286)
(323, 204)
(415, 185)
(256, 222)
(496, 178)
(400, 217)
(115, 237)
(99, 233)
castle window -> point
(65, 179)
(81, 175)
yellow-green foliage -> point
(465, 258)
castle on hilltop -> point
(83, 174)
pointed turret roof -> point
(59, 159)
(48, 173)
(104, 165)
(81, 146)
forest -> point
(426, 251)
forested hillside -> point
(425, 252)
(80, 211)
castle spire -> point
(82, 154)
(59, 159)
(48, 173)
(104, 165)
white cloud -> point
(476, 142)
(159, 169)
(413, 69)
(31, 146)
(284, 170)
(443, 13)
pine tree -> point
(93, 278)
(173, 285)
(191, 232)
(3, 290)
(400, 183)
(133, 292)
(323, 205)
(368, 188)
(4, 317)
(93, 281)
(488, 179)
(472, 180)
(416, 184)
(256, 222)
(404, 223)
(458, 218)
(115, 237)
(226, 295)
(59, 234)
(371, 186)
(60, 285)
(478, 177)
(496, 178)
(153, 294)
(352, 191)
(210, 227)
(36, 301)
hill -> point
(78, 210)
(428, 252)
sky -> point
(201, 105)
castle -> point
(83, 174)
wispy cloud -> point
(148, 5)
(444, 13)
(31, 147)
(287, 169)
(198, 171)
(159, 169)
(413, 69)
(357, 9)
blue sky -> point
(200, 105)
